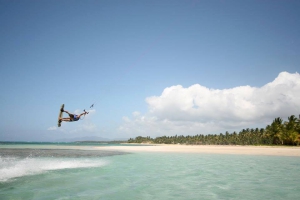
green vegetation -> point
(101, 142)
(278, 133)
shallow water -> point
(73, 174)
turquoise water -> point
(77, 174)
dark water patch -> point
(70, 153)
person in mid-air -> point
(72, 117)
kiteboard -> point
(60, 115)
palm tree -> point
(276, 130)
(290, 130)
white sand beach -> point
(215, 149)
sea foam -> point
(12, 167)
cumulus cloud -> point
(86, 124)
(85, 127)
(201, 110)
(52, 128)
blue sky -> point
(143, 62)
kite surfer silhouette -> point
(72, 117)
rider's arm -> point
(84, 113)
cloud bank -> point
(201, 110)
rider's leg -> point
(67, 112)
(65, 119)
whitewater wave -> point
(13, 167)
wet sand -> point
(215, 149)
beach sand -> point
(215, 149)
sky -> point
(151, 68)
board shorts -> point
(73, 117)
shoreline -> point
(209, 149)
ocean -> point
(77, 171)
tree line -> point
(279, 132)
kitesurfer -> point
(72, 117)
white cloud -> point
(52, 128)
(85, 127)
(86, 124)
(201, 110)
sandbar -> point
(210, 149)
